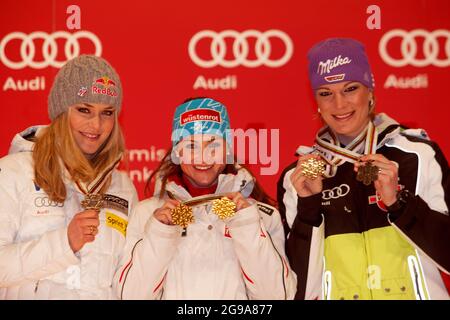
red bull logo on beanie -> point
(200, 115)
(105, 81)
(106, 84)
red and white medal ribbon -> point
(93, 199)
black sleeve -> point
(429, 229)
(310, 210)
(298, 243)
(298, 247)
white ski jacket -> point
(240, 258)
(36, 261)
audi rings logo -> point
(336, 192)
(49, 48)
(46, 202)
(240, 48)
(409, 48)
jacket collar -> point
(22, 142)
(242, 182)
(386, 127)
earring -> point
(371, 103)
(175, 157)
(318, 110)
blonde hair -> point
(55, 146)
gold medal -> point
(224, 208)
(328, 144)
(367, 173)
(182, 215)
(313, 168)
(92, 201)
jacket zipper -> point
(415, 277)
(282, 267)
(327, 285)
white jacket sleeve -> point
(260, 249)
(31, 260)
(150, 247)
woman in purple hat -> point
(367, 205)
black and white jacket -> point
(346, 207)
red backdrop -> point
(261, 61)
(253, 59)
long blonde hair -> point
(55, 146)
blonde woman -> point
(64, 205)
(376, 224)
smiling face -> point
(202, 158)
(91, 125)
(344, 107)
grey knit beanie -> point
(84, 79)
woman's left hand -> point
(239, 200)
(387, 182)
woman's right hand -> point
(305, 186)
(164, 213)
(82, 229)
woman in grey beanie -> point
(64, 204)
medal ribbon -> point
(95, 185)
(335, 155)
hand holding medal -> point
(224, 208)
(227, 206)
(92, 201)
(83, 227)
(307, 176)
(367, 172)
(93, 197)
(173, 212)
(182, 215)
(377, 169)
(313, 168)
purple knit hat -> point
(339, 59)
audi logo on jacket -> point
(36, 259)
